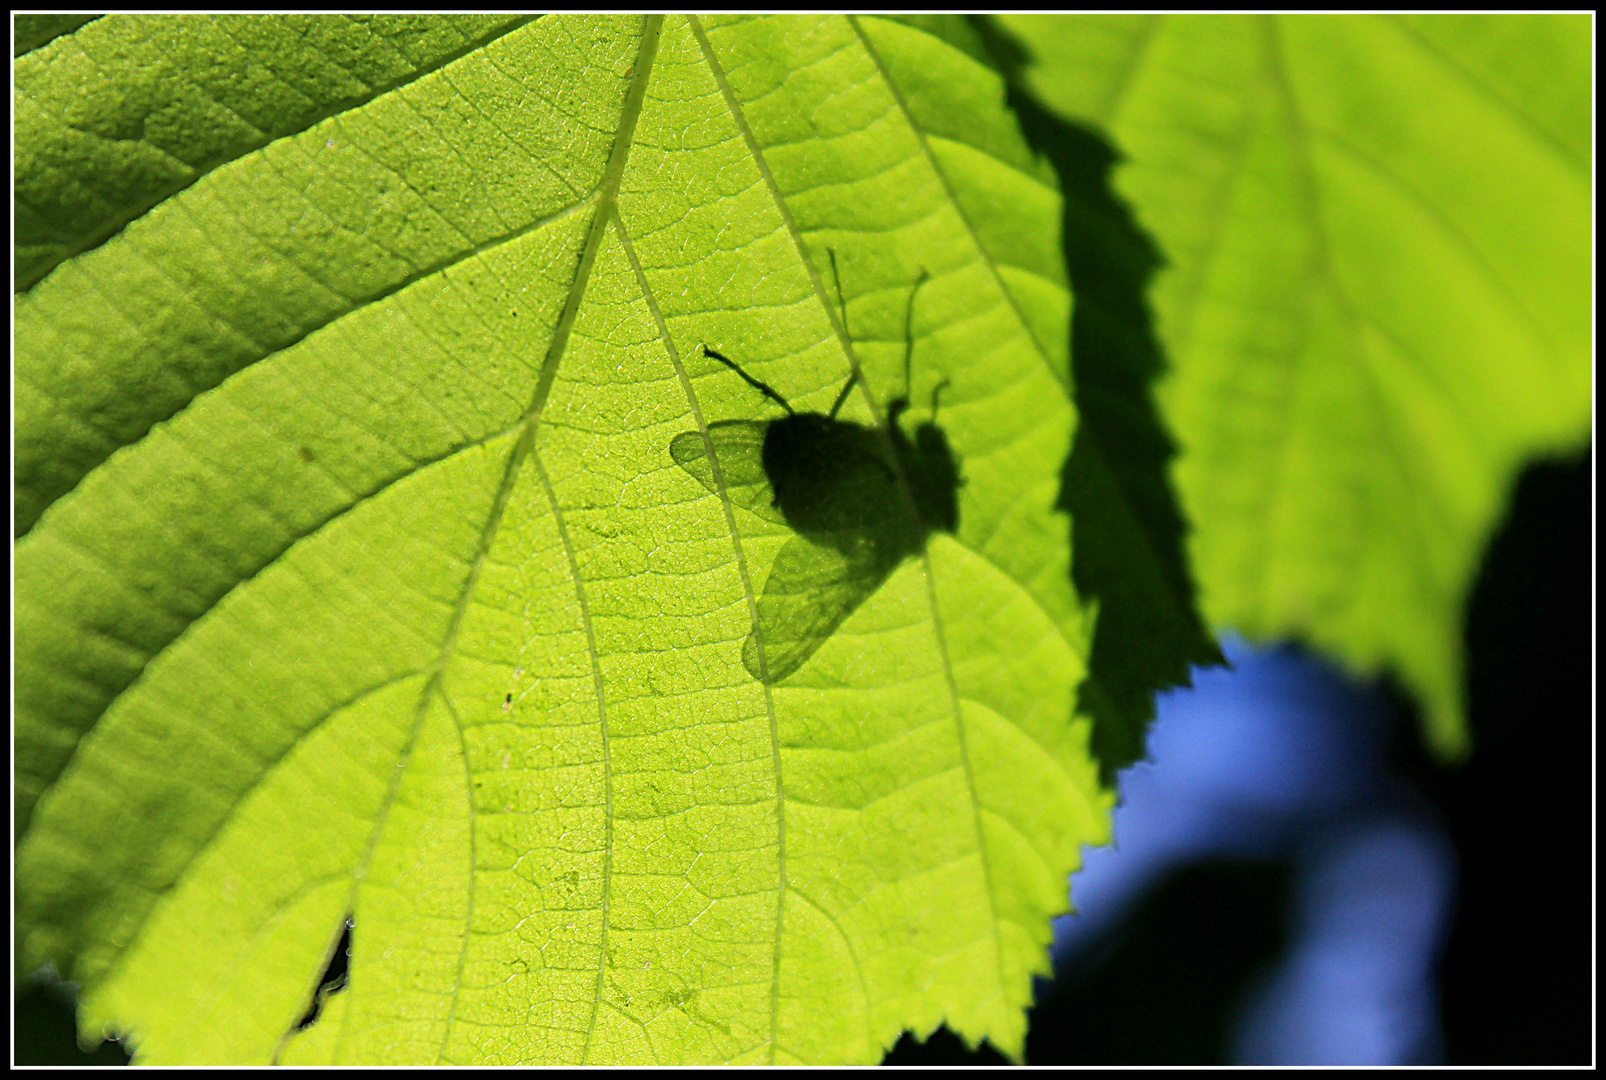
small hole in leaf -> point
(334, 975)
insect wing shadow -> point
(835, 490)
(739, 447)
(816, 582)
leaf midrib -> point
(605, 207)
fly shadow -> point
(860, 499)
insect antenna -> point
(843, 396)
(762, 387)
(909, 341)
(843, 307)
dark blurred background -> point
(1296, 881)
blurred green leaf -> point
(1378, 300)
(363, 581)
(29, 32)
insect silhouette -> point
(859, 498)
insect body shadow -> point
(859, 498)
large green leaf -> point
(1378, 303)
(378, 591)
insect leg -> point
(843, 307)
(762, 387)
(840, 303)
(843, 396)
(909, 333)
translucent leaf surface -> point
(1378, 302)
(119, 115)
(386, 597)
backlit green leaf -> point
(364, 581)
(1378, 303)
